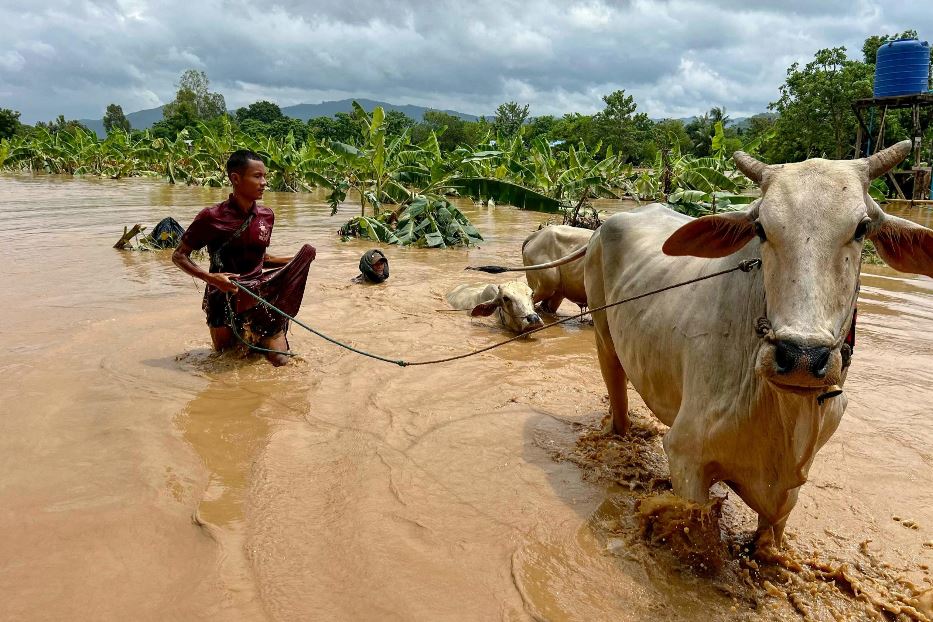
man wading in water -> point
(237, 233)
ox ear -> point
(485, 308)
(713, 236)
(904, 245)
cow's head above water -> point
(811, 222)
(515, 306)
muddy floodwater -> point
(144, 478)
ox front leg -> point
(771, 533)
(613, 376)
(691, 474)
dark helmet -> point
(368, 260)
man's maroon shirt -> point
(215, 225)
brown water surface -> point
(143, 477)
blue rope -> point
(746, 265)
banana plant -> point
(373, 170)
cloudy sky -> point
(676, 57)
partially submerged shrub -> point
(431, 222)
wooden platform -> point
(874, 144)
(909, 202)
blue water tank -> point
(902, 67)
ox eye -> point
(861, 230)
(506, 299)
(760, 232)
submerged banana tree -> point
(372, 170)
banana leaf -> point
(368, 227)
(505, 192)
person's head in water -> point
(374, 266)
(247, 174)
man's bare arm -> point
(221, 280)
(274, 261)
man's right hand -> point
(223, 281)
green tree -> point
(671, 134)
(9, 123)
(542, 127)
(451, 130)
(510, 117)
(702, 129)
(620, 127)
(281, 128)
(872, 43)
(397, 122)
(574, 128)
(342, 128)
(114, 119)
(816, 117)
(193, 89)
(60, 124)
(183, 114)
(263, 111)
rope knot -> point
(846, 352)
(764, 330)
(749, 264)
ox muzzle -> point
(799, 368)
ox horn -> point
(886, 159)
(752, 168)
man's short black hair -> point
(238, 159)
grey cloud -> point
(676, 57)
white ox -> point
(511, 300)
(749, 401)
(552, 285)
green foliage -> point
(540, 127)
(816, 117)
(702, 132)
(397, 123)
(451, 131)
(619, 127)
(671, 134)
(193, 90)
(428, 221)
(9, 123)
(510, 117)
(114, 119)
(60, 124)
(874, 42)
(263, 111)
(505, 192)
(343, 128)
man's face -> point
(250, 183)
(379, 267)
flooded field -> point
(143, 477)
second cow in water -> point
(510, 301)
(552, 285)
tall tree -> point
(9, 123)
(114, 119)
(702, 129)
(397, 122)
(815, 107)
(619, 126)
(193, 89)
(60, 124)
(342, 128)
(874, 42)
(509, 118)
(451, 130)
(263, 111)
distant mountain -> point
(144, 119)
(740, 123)
(331, 108)
(140, 120)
